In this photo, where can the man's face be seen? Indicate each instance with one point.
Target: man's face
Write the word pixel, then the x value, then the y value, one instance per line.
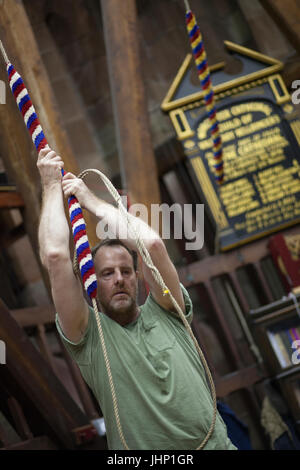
pixel 117 282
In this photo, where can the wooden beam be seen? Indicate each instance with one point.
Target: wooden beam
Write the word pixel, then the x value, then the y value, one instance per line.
pixel 4 437
pixel 137 161
pixel 18 156
pixel 226 337
pixel 20 422
pixel 16 149
pixel 286 14
pixel 37 443
pixel 238 380
pixel 79 382
pixel 217 265
pixel 38 383
pixel 32 316
pixel 11 200
pixel 22 50
pixel 8 237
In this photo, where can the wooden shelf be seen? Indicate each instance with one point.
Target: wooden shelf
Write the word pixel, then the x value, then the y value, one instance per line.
pixel 274 327
pixel 10 199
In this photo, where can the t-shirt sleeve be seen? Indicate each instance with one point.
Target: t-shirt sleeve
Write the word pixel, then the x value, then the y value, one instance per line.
pixel 187 302
pixel 81 351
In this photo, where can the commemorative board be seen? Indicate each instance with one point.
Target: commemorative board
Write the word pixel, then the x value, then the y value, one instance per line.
pixel 260 131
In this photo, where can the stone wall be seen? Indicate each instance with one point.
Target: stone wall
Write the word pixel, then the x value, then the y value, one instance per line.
pixel 70 35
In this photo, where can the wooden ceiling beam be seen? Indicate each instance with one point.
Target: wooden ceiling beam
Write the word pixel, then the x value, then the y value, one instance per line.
pixel 39 385
pixel 16 148
pixel 137 160
pixel 286 14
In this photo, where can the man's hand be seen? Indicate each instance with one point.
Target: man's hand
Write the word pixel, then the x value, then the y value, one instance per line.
pixel 50 166
pixel 73 186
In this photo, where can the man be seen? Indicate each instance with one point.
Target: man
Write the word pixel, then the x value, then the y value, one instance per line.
pixel 164 400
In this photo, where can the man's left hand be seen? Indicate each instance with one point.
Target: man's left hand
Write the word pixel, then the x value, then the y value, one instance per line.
pixel 73 186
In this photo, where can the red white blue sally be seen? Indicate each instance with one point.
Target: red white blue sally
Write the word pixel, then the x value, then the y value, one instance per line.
pixel 83 252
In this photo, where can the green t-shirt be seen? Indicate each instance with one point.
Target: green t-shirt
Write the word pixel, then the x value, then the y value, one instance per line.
pixel 163 398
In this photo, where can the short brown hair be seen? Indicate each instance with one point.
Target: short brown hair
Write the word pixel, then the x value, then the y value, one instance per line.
pixel 115 242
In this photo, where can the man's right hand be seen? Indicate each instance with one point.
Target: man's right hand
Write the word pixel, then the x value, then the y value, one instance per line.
pixel 50 165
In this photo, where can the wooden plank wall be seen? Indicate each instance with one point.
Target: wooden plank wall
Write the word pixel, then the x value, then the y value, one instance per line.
pixel 286 14
pixel 37 407
pixel 224 288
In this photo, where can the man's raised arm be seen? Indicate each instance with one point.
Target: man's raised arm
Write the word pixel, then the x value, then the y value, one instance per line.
pixel 54 249
pixel 111 216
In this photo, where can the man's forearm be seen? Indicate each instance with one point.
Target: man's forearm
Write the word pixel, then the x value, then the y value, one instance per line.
pixel 53 228
pixel 117 223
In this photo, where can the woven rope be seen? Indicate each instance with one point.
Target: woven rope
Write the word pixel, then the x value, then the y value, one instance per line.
pixel 157 276
pixel 4 53
pixel 203 72
pixel 110 379
pixel 187 5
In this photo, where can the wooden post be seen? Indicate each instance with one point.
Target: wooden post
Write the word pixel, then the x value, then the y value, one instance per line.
pixel 22 49
pixel 137 160
pixel 19 156
pixel 286 14
pixel 37 384
pixel 17 150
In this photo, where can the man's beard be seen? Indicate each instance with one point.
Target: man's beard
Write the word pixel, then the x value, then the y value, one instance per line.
pixel 123 309
pixel 120 311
